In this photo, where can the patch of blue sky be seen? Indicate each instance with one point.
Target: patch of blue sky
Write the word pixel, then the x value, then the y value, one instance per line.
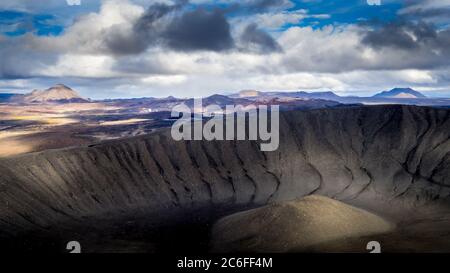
pixel 12 23
pixel 344 12
pixel 47 25
pixel 337 13
pixel 15 23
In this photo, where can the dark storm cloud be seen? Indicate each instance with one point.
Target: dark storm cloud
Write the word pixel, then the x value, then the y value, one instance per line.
pixel 403 36
pixel 426 46
pixel 124 42
pixel 258 40
pixel 170 26
pixel 144 33
pixel 154 13
pixel 173 27
pixel 423 10
pixel 199 30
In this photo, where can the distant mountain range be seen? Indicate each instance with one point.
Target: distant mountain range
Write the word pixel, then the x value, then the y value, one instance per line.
pixel 396 93
pixel 406 96
pixel 61 93
pixel 251 94
pixel 401 93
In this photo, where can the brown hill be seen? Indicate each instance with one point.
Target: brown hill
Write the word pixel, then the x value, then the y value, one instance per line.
pixel 295 225
pixel 57 93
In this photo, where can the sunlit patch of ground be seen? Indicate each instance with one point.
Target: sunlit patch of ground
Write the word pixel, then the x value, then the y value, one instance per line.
pixel 10 134
pixel 9 147
pixel 123 122
pixel 37 127
pixel 58 108
pixel 46 119
pixel 55 109
pixel 46 137
pixel 78 107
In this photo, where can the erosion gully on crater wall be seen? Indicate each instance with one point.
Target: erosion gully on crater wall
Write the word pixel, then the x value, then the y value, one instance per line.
pixel 392 160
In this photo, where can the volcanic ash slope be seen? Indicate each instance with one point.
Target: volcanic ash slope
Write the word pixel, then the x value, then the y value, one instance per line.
pixel 295 225
pixel 392 160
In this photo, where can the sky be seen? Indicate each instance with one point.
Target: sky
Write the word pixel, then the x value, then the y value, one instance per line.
pixel 158 48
